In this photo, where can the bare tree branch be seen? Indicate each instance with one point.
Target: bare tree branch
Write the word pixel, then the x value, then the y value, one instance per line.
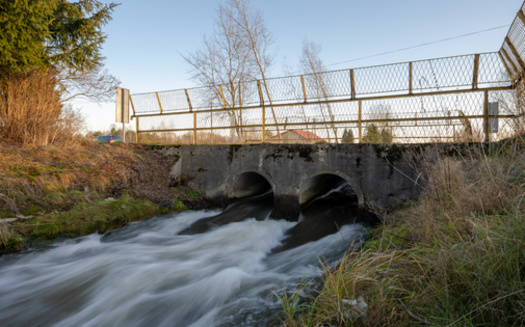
pixel 313 65
pixel 97 85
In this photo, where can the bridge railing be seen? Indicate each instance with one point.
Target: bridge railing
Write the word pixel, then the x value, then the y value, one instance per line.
pixel 464 98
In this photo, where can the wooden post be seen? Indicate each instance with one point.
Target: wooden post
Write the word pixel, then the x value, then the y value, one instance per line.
pixel 194 127
pixel 410 78
pixel 476 72
pixel 486 117
pixel 158 100
pixel 352 84
pixel 304 89
pixel 359 119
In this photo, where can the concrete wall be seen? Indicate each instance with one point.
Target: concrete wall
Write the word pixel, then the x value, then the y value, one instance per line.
pixel 382 176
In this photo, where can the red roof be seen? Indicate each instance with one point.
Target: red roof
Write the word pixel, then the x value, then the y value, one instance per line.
pixel 307 135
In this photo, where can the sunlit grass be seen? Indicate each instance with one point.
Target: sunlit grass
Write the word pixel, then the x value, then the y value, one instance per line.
pixel 454 258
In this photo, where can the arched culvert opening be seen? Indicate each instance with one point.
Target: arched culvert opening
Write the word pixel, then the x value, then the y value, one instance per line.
pixel 327 185
pixel 327 202
pixel 250 184
pixel 251 196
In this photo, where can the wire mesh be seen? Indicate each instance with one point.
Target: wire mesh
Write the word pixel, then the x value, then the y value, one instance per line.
pixel 437 100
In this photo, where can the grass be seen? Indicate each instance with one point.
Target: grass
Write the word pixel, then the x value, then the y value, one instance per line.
pixel 454 258
pixel 85 218
pixel 69 192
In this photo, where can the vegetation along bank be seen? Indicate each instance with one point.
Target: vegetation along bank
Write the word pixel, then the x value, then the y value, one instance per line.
pixel 455 257
pixel 51 192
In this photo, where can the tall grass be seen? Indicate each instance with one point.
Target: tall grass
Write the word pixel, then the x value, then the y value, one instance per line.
pixel 29 106
pixel 454 258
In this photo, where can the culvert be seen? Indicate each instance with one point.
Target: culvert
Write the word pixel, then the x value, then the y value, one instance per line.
pixel 322 184
pixel 250 184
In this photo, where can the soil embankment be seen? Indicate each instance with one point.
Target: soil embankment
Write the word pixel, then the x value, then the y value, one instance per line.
pixel 51 192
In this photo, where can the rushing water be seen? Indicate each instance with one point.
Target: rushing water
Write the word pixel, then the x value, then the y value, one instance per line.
pixel 146 275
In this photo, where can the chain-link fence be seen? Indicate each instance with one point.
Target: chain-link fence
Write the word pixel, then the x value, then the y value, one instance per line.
pixel 465 98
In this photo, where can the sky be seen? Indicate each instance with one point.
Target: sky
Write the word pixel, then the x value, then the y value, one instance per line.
pixel 146 39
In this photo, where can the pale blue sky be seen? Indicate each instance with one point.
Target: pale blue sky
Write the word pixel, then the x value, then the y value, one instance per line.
pixel 146 37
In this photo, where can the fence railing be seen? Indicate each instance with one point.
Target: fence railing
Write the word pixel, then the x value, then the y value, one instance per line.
pixel 463 98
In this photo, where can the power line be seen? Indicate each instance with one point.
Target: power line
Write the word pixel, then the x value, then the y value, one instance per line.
pixel 421 45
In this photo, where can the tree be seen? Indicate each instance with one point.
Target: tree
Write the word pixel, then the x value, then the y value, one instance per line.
pixel 56 45
pixel 372 134
pixel 375 135
pixel 235 53
pixel 258 39
pixel 223 63
pixel 52 33
pixel 386 136
pixel 348 136
pixel 313 65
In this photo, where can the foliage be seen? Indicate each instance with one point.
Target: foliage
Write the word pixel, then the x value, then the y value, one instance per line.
pixel 85 218
pixel 454 258
pixel 374 135
pixel 49 49
pixel 348 136
pixel 52 33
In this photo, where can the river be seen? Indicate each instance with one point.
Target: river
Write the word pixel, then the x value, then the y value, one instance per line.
pixel 145 274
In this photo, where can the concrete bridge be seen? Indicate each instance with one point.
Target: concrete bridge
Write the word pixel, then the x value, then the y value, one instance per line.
pixel 381 176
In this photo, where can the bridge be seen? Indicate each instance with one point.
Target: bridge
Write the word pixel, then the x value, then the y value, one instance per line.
pixel 474 97
pixel 300 136
pixel 381 176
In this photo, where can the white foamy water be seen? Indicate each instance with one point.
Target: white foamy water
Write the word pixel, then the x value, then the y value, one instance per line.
pixel 146 275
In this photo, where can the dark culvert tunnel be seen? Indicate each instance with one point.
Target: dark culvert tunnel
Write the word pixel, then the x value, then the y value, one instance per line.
pixel 251 197
pixel 327 202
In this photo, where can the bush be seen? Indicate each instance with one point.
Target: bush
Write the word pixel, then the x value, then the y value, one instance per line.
pixel 32 112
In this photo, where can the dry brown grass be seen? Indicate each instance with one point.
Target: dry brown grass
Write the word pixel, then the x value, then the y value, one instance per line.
pixel 479 182
pixel 30 106
pixel 40 179
pixel 453 258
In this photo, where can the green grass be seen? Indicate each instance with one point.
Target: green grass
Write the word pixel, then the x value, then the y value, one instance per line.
pixel 84 218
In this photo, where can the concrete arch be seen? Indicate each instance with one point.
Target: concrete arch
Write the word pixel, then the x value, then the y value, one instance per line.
pixel 250 183
pixel 322 182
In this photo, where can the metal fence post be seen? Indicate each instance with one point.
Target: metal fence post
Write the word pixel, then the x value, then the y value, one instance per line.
pixel 137 130
pixel 263 120
pixel 486 126
pixel 194 127
pixel 359 119
pixel 304 89
pixel 352 84
pixel 410 78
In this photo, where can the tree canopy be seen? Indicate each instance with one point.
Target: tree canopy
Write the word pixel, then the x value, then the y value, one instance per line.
pixel 52 33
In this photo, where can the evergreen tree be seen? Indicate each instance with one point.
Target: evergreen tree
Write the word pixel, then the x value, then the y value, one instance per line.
pixel 52 33
pixel 46 48
pixel 348 136
pixel 372 134
pixel 386 136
